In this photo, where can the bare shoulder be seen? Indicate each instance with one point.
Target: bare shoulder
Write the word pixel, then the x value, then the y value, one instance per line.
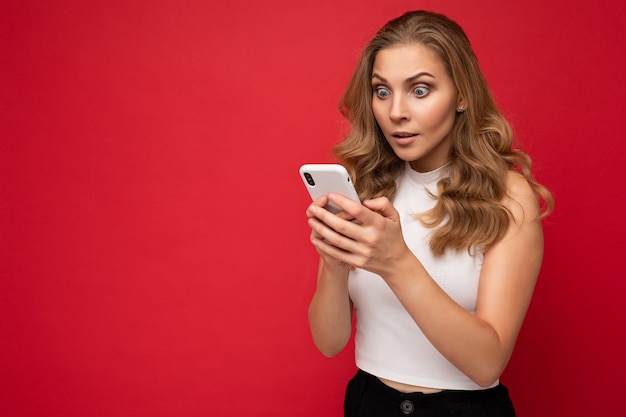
pixel 521 199
pixel 511 266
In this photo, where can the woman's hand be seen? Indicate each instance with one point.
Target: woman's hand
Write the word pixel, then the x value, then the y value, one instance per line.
pixel 367 236
pixel 328 261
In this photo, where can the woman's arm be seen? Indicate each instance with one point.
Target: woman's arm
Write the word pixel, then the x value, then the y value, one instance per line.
pixel 330 311
pixel 479 345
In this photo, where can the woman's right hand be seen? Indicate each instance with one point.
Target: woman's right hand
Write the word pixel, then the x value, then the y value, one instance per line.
pixel 333 265
pixel 330 311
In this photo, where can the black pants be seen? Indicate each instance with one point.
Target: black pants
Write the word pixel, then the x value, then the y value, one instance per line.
pixel 367 396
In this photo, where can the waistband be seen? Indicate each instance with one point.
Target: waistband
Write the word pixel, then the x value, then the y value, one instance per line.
pixel 445 396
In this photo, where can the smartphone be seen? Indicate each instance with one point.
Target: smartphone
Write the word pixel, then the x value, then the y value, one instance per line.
pixel 321 179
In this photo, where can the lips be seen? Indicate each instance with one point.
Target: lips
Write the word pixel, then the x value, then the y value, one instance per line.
pixel 404 138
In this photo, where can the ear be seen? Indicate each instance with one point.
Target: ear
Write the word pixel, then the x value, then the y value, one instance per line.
pixel 460 105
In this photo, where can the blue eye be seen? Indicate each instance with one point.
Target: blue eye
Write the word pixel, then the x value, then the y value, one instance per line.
pixel 421 91
pixel 382 92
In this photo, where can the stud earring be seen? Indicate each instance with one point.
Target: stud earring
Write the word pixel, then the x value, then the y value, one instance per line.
pixel 461 108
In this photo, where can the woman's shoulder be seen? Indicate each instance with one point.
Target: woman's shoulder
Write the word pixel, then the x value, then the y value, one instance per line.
pixel 517 183
pixel 521 199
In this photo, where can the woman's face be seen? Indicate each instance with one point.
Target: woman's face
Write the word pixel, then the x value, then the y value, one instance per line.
pixel 414 103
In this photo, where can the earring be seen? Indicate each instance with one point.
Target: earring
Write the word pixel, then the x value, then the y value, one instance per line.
pixel 461 108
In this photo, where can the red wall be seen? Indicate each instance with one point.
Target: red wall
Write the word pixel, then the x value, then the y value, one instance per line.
pixel 154 255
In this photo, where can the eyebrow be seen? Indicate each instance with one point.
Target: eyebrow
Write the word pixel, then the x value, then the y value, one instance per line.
pixel 408 80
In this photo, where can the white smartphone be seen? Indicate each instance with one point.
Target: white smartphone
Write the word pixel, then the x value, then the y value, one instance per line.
pixel 321 179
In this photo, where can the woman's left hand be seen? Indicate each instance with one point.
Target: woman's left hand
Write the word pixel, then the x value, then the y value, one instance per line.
pixel 373 241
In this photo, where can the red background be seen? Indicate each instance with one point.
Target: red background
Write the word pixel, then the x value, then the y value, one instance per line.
pixel 154 255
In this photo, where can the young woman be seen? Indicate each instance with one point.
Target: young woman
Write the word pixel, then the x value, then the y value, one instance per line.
pixel 440 261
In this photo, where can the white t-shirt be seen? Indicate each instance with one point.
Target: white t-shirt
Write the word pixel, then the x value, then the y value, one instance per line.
pixel 389 344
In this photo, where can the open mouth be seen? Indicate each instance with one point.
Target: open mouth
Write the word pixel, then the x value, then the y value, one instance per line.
pixel 403 135
pixel 404 138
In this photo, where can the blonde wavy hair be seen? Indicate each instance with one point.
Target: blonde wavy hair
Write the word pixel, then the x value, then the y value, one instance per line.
pixel 469 213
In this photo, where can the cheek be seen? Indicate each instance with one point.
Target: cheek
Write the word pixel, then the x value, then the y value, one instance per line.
pixel 377 110
pixel 437 115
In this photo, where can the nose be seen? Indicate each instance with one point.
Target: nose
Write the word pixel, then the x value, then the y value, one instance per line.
pixel 399 110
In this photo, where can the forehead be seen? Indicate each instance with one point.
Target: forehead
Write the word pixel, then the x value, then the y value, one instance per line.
pixel 408 59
